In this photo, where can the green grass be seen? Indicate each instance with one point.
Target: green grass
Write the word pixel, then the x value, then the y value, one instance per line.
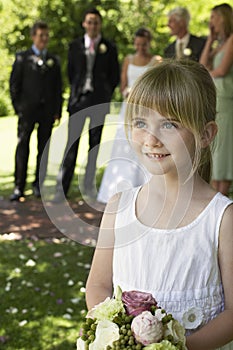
pixel 42 305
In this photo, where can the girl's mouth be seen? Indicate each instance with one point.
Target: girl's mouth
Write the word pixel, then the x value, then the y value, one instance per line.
pixel 156 155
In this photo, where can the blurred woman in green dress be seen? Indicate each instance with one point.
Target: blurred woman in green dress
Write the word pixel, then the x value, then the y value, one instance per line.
pixel 217 56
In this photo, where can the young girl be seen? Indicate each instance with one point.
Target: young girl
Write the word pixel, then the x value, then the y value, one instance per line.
pixel 173 236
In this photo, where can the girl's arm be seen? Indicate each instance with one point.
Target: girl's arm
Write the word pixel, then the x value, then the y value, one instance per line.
pixel 99 282
pixel 124 79
pixel 226 62
pixel 219 331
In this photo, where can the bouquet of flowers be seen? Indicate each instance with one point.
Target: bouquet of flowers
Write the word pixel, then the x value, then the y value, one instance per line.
pixel 130 320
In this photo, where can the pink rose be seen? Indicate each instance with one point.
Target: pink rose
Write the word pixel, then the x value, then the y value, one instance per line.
pixel 137 302
pixel 146 328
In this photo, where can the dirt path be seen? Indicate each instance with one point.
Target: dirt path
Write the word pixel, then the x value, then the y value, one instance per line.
pixel 30 219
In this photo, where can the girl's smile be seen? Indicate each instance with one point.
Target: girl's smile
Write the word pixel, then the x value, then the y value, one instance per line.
pixel 158 156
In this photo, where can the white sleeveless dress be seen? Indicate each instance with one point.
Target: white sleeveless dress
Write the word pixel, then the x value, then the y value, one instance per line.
pixel 178 266
pixel 123 170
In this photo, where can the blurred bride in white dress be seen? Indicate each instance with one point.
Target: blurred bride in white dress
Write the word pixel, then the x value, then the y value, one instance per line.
pixel 123 170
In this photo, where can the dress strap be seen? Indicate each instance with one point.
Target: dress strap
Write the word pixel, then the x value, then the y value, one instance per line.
pixel 222 203
pixel 126 207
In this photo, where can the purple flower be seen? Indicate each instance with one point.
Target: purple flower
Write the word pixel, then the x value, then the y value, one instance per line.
pixel 59 301
pixel 136 302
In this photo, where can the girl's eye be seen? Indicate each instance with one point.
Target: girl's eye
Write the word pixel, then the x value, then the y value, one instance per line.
pixel 168 125
pixel 140 124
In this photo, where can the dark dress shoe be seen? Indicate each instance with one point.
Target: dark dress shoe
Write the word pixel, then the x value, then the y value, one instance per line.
pixel 16 195
pixel 36 191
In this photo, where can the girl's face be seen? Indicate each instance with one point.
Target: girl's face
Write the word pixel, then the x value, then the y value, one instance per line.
pixel 141 45
pixel 216 22
pixel 164 146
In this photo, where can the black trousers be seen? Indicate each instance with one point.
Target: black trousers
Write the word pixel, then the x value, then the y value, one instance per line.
pixel 84 109
pixel 25 129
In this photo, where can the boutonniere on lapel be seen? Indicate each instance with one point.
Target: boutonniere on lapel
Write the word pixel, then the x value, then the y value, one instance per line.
pixel 43 64
pixel 103 48
pixel 49 63
pixel 187 52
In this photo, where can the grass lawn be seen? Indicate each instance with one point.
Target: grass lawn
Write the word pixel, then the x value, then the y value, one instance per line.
pixel 42 293
pixel 42 282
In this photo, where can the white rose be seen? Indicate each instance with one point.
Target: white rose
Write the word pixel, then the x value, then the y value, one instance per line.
pixel 106 333
pixel 176 330
pixel 81 345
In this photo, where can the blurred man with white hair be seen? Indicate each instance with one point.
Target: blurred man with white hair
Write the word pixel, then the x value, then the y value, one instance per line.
pixel 186 45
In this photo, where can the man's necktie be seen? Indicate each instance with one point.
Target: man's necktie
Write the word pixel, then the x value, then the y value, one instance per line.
pixel 92 46
pixel 179 53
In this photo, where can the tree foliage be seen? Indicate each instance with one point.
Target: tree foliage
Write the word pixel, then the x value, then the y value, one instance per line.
pixel 121 18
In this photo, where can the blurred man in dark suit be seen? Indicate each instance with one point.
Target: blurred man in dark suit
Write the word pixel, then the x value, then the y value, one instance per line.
pixel 186 45
pixel 36 93
pixel 93 71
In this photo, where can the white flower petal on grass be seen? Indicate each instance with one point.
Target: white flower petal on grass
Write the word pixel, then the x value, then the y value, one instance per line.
pixel 30 263
pixel 70 283
pixel 57 255
pixel 106 333
pixel 69 310
pixel 22 256
pixel 23 323
pixel 67 316
pixel 192 318
pixel 29 284
pixel 75 300
pixel 83 290
pixel 8 287
pixel 12 310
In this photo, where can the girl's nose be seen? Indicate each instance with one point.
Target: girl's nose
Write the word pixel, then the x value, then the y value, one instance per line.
pixel 152 140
